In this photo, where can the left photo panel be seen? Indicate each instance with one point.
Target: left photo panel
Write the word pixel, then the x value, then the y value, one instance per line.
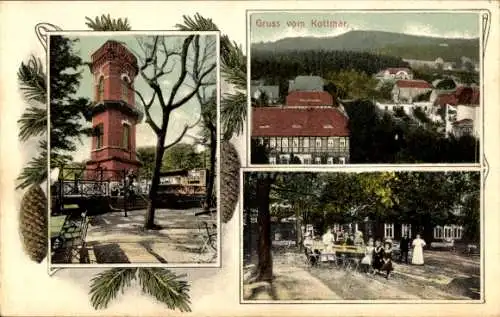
pixel 133 151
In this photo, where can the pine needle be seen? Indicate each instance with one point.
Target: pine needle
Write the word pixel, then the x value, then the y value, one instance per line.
pixel 166 287
pixel 106 23
pixel 31 77
pixel 106 285
pixel 233 113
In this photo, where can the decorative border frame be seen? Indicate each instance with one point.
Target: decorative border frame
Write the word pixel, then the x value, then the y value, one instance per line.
pixel 482 299
pixel 43 32
pixel 482 166
pixel 484 20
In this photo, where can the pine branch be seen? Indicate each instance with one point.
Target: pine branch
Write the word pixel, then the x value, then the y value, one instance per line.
pixel 166 287
pixel 31 77
pixel 106 285
pixel 33 123
pixel 106 23
pixel 233 113
pixel 35 171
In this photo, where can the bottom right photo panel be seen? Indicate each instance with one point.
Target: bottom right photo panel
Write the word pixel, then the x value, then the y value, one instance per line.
pixel 333 236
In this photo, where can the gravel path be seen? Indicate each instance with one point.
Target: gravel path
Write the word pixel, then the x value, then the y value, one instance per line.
pixel 445 276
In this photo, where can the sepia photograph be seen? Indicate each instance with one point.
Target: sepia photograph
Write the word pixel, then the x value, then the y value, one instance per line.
pixel 384 87
pixel 133 148
pixel 335 236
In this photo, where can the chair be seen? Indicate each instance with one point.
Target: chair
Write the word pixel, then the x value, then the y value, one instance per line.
pixel 312 258
pixel 208 236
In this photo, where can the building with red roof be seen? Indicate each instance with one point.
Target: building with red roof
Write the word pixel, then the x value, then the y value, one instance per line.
pixel 405 91
pixel 311 135
pixel 308 129
pixel 462 109
pixel 309 99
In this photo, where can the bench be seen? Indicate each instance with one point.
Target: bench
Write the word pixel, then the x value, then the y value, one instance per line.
pixel 69 243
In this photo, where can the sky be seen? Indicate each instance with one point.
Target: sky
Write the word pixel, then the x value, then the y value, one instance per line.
pixel 264 26
pixel 186 114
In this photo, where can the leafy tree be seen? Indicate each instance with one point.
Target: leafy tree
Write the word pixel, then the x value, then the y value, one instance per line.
pixel 446 84
pixel 146 155
pixel 181 156
pixel 353 84
pixel 420 115
pixel 259 152
pixel 66 123
pixel 385 91
pixel 300 191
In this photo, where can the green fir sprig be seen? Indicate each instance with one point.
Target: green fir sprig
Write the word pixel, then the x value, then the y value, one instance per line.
pixel 106 285
pixel 166 287
pixel 106 23
pixel 159 283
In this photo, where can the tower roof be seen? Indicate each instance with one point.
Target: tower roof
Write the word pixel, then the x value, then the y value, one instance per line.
pixel 112 51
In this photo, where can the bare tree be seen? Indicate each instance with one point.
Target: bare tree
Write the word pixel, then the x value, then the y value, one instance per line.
pixel 207 98
pixel 156 62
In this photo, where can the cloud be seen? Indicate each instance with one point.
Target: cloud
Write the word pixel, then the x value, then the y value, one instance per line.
pixel 427 30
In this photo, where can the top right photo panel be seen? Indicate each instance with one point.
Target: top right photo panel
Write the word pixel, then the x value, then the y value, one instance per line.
pixel 364 87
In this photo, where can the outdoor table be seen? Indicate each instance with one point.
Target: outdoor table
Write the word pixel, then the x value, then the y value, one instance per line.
pixel 349 255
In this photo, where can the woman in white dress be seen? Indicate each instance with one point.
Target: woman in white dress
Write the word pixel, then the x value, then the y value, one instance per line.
pixel 366 261
pixel 418 251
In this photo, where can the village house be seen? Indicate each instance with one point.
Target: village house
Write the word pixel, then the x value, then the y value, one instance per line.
pixel 309 129
pixel 395 231
pixel 310 135
pixel 394 73
pixel 462 110
pixel 405 91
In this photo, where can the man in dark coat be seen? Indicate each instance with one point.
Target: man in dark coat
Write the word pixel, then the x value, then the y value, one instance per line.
pixel 404 246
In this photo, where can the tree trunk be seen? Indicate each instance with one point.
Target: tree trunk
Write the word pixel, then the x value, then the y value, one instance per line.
pixel 155 182
pixel 265 264
pixel 211 173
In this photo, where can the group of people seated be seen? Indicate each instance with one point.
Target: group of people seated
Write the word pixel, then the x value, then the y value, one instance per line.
pixel 378 254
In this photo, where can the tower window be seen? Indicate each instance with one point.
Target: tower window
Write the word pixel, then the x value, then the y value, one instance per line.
pixel 125 89
pixel 100 89
pixel 99 136
pixel 126 136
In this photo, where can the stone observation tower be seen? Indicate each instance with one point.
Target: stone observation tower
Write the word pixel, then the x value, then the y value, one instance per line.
pixel 114 115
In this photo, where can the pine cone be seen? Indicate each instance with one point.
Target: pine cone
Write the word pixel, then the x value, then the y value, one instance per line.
pixel 33 223
pixel 230 180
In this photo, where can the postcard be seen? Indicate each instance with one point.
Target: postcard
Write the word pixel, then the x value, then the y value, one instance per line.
pixel 249 158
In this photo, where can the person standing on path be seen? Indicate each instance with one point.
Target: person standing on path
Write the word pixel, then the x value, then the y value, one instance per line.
pixel 404 247
pixel 387 259
pixel 378 253
pixel 368 258
pixel 418 251
pixel 328 239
